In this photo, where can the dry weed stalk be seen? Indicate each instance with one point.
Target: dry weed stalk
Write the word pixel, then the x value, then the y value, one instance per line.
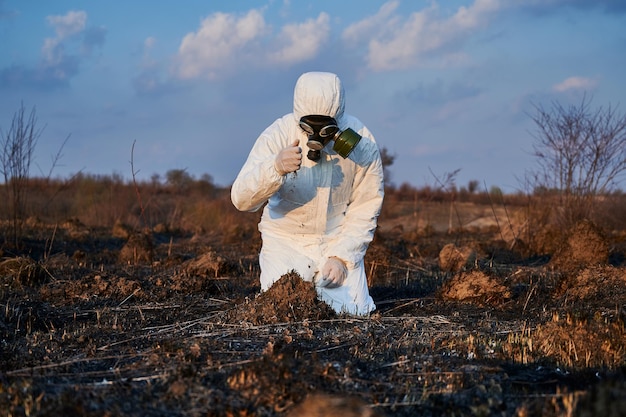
pixel 137 192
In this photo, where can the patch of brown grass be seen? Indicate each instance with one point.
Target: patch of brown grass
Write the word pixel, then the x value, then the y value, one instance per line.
pixel 597 282
pixel 581 343
pixel 21 271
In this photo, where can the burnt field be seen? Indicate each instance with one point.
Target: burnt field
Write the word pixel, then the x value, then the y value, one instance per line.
pixel 101 321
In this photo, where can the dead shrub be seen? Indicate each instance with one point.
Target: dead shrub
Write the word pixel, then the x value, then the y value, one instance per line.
pixel 474 286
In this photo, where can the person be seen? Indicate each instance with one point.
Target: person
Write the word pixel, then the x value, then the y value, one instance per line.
pixel 322 208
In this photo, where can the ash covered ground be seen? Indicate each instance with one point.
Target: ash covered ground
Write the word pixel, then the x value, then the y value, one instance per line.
pixel 167 324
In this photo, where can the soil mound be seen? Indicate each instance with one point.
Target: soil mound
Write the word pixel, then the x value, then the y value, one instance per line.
pixel 208 272
pixel 453 258
pixel 584 245
pixel 474 286
pixel 138 249
pixel 290 299
pixel 209 264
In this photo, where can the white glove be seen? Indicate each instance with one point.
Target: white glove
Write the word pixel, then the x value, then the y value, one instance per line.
pixel 289 159
pixel 334 273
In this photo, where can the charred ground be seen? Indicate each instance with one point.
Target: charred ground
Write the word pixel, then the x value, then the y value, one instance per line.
pixel 103 322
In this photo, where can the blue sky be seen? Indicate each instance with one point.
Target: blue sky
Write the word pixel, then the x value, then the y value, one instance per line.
pixel 443 85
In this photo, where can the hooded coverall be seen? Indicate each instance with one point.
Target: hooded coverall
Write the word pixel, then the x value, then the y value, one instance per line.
pixel 327 208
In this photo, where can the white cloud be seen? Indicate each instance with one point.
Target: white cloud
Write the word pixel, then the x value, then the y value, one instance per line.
pixel 66 26
pixel 225 41
pixel 220 39
pixel 72 23
pixel 398 43
pixel 575 83
pixel 63 54
pixel 302 41
pixel 51 51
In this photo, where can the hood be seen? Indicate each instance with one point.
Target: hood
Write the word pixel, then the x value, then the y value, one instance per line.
pixel 319 93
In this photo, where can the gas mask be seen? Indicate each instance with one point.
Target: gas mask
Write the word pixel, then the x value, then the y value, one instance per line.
pixel 322 129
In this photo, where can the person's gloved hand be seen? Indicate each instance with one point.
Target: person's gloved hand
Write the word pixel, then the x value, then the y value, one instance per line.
pixel 334 273
pixel 289 159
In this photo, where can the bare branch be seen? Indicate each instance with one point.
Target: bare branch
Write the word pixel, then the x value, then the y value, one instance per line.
pixel 580 153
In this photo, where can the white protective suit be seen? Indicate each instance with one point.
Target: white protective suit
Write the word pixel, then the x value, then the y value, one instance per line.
pixel 327 208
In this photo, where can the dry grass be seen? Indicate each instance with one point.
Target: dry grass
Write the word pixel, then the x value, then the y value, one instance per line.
pixel 575 343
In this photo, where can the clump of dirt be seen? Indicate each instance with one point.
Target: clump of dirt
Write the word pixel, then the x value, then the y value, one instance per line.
pixel 209 264
pixel 453 258
pixel 323 405
pixel 207 272
pixel 584 245
pixel 290 299
pixel 476 287
pixel 138 249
